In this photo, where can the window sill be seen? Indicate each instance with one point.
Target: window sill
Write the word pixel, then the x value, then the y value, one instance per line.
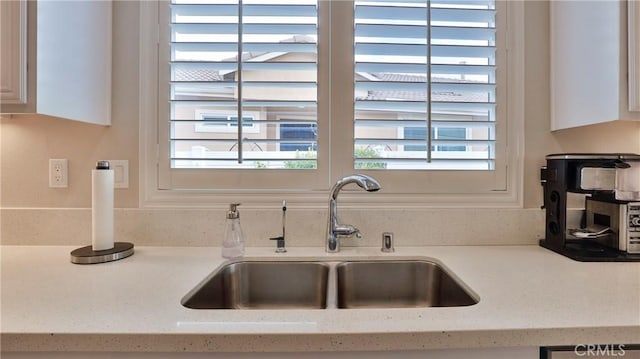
pixel 349 198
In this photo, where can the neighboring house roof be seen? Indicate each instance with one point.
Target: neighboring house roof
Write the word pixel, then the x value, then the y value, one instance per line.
pixel 300 39
pixel 394 77
pixel 448 96
pixel 266 56
pixel 441 96
pixel 196 74
pixel 203 74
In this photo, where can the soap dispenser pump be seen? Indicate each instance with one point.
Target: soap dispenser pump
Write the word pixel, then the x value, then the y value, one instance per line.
pixel 233 240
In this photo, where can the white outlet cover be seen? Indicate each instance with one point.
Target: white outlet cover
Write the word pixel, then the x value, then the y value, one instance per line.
pixel 58 173
pixel 120 173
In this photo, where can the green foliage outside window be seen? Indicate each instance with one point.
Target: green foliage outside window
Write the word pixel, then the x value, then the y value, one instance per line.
pixel 368 152
pixel 311 163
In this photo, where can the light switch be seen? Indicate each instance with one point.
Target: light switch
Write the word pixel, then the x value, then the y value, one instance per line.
pixel 120 173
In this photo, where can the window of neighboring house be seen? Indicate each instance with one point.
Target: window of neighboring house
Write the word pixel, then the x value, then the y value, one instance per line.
pixel 222 123
pixel 369 78
pixel 439 134
pixel 296 134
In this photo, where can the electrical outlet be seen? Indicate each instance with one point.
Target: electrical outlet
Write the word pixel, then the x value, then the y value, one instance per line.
pixel 58 173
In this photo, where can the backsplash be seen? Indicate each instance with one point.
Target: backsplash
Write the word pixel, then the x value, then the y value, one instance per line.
pixel 305 227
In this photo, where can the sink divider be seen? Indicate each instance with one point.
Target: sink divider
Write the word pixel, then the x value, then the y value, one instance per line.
pixel 332 286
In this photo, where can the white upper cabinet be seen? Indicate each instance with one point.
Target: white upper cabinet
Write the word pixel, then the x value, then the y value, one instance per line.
pixel 13 52
pixel 591 59
pixel 71 61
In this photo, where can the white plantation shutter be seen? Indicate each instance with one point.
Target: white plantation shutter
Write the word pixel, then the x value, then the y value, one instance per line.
pixel 405 88
pixel 240 70
pixel 425 84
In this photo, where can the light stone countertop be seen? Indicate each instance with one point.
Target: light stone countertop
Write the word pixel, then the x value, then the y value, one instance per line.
pixel 529 296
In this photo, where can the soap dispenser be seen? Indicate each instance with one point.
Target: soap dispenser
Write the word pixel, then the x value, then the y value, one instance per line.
pixel 233 240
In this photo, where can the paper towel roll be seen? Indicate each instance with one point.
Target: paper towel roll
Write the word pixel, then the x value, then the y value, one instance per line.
pixel 102 208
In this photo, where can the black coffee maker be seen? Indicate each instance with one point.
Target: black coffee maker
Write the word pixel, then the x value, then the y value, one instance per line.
pixel 596 176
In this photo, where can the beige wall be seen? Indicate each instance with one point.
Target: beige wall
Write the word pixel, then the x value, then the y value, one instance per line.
pixel 27 142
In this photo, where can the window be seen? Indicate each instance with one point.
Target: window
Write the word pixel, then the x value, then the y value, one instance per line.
pixel 216 122
pixel 298 132
pixel 420 133
pixel 437 79
pixel 414 91
pixel 229 57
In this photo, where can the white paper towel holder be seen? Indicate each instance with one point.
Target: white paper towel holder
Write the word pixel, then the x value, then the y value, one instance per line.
pixel 119 250
pixel 86 255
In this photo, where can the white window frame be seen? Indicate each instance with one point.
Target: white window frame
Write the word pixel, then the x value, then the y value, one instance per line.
pixel 400 190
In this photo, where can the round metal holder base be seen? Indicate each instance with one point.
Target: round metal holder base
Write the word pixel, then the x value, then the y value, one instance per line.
pixel 86 255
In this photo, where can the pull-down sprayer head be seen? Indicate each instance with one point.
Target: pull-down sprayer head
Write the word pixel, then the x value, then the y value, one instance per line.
pixel 365 182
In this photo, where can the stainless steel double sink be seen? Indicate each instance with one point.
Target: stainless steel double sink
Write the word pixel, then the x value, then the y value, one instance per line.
pixel 310 284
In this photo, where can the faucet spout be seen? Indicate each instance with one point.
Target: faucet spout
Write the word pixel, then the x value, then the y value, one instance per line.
pixel 365 182
pixel 335 230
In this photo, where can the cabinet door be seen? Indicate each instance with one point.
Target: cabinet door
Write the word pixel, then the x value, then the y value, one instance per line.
pixel 589 63
pixel 67 47
pixel 13 52
pixel 585 62
pixel 74 60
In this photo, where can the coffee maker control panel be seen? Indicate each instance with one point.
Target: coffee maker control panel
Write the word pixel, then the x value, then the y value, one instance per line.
pixel 634 217
pixel 633 232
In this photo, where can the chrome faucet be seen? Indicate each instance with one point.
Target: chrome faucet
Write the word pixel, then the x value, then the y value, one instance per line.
pixel 335 230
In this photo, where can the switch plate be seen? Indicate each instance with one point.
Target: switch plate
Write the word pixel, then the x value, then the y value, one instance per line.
pixel 120 173
pixel 58 173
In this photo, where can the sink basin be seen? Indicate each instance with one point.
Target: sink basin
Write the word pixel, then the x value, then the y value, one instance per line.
pixel 315 284
pixel 398 284
pixel 262 285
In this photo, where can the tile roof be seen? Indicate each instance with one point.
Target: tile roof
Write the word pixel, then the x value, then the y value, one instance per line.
pixel 448 96
pixel 204 74
pixel 196 74
pixel 441 96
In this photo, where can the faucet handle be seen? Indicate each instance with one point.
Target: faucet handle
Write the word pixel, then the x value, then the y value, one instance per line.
pixel 347 230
